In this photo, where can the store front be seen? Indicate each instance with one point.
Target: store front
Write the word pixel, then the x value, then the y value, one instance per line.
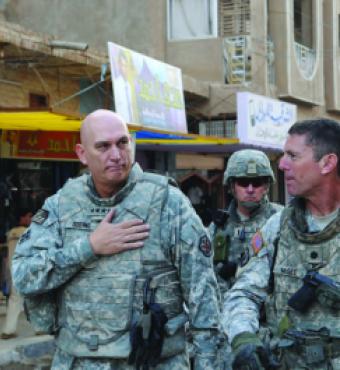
pixel 37 156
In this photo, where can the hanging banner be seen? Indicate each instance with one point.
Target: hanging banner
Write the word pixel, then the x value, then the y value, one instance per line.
pixel 39 144
pixel 263 121
pixel 147 91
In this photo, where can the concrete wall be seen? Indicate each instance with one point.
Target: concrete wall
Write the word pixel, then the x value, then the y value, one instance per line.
pixel 142 26
pixel 291 84
pixel 139 25
pixel 201 59
pixel 332 54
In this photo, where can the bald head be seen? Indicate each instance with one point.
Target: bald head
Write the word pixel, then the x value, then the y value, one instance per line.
pixel 106 150
pixel 98 118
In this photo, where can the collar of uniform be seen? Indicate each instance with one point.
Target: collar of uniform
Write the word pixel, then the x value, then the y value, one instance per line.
pixel 232 209
pixel 135 174
pixel 298 223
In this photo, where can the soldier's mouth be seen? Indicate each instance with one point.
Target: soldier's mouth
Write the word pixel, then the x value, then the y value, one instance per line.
pixel 114 168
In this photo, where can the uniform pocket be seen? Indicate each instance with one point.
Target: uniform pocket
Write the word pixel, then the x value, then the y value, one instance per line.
pixel 101 303
pixel 288 280
pixel 167 292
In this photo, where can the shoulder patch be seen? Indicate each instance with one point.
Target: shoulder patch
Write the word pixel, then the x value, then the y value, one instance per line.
pixel 257 242
pixel 205 246
pixel 40 216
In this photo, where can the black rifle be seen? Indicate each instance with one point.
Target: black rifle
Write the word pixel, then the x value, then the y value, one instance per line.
pixel 315 286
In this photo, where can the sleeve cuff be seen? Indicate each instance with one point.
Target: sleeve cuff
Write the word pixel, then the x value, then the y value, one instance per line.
pixel 85 252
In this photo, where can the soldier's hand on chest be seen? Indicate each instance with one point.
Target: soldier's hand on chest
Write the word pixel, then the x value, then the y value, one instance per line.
pixel 109 238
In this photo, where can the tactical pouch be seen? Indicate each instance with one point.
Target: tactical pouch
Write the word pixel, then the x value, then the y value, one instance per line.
pixel 41 311
pixel 315 346
pixel 328 297
pixel 165 283
pixel 221 248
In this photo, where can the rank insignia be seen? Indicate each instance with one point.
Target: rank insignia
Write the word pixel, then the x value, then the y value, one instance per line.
pixel 205 246
pixel 40 216
pixel 257 242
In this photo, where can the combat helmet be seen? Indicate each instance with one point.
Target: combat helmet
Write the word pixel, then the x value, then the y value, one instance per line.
pixel 248 163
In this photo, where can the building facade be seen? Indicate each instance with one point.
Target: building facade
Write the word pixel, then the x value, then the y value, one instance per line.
pixel 285 50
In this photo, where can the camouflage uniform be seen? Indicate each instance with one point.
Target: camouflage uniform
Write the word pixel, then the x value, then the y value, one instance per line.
pixel 301 247
pixel 99 297
pixel 231 239
pixel 237 235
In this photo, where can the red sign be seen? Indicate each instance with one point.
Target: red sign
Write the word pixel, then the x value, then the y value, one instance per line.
pixel 39 144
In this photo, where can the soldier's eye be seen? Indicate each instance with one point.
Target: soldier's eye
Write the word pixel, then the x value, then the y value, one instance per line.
pixel 123 142
pixel 291 156
pixel 102 146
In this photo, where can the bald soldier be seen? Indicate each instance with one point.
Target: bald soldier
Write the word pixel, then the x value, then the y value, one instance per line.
pixel 114 255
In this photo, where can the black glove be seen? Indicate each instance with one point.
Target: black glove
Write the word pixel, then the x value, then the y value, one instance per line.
pixel 250 354
pixel 227 270
pixel 146 352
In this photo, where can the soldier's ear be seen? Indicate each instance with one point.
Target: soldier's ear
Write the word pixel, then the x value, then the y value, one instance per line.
pixel 80 151
pixel 328 163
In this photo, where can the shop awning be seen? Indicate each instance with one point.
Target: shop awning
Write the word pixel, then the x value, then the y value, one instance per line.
pixel 38 121
pixel 52 121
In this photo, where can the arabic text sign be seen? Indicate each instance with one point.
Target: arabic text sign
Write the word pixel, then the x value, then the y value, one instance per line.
pixel 39 144
pixel 147 91
pixel 263 121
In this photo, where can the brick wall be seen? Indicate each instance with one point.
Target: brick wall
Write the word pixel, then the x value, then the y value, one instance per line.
pixel 17 83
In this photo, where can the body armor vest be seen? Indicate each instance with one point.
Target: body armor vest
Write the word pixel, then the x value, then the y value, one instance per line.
pixel 237 234
pixel 100 303
pixel 299 252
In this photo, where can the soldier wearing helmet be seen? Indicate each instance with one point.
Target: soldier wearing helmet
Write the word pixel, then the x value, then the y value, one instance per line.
pixel 248 176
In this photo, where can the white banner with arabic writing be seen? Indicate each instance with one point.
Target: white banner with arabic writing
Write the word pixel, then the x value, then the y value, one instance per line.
pixel 263 121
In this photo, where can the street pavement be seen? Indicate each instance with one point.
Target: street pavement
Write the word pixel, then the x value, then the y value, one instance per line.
pixel 13 352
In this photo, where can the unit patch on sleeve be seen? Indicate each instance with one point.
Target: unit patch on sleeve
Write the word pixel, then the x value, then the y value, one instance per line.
pixel 40 216
pixel 205 246
pixel 257 242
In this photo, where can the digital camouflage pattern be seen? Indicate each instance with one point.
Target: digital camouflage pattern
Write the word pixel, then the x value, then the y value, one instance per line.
pixel 236 234
pixel 64 361
pixel 232 240
pixel 98 297
pixel 299 250
pixel 248 163
pixel 235 237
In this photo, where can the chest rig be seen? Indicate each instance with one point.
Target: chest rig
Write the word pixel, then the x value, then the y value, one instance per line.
pixel 100 303
pixel 236 234
pixel 299 252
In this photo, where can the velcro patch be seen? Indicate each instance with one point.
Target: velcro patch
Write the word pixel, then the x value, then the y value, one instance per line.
pixel 40 216
pixel 81 225
pixel 257 242
pixel 251 168
pixel 205 246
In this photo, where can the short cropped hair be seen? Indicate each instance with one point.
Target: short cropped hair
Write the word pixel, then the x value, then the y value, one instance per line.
pixel 322 134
